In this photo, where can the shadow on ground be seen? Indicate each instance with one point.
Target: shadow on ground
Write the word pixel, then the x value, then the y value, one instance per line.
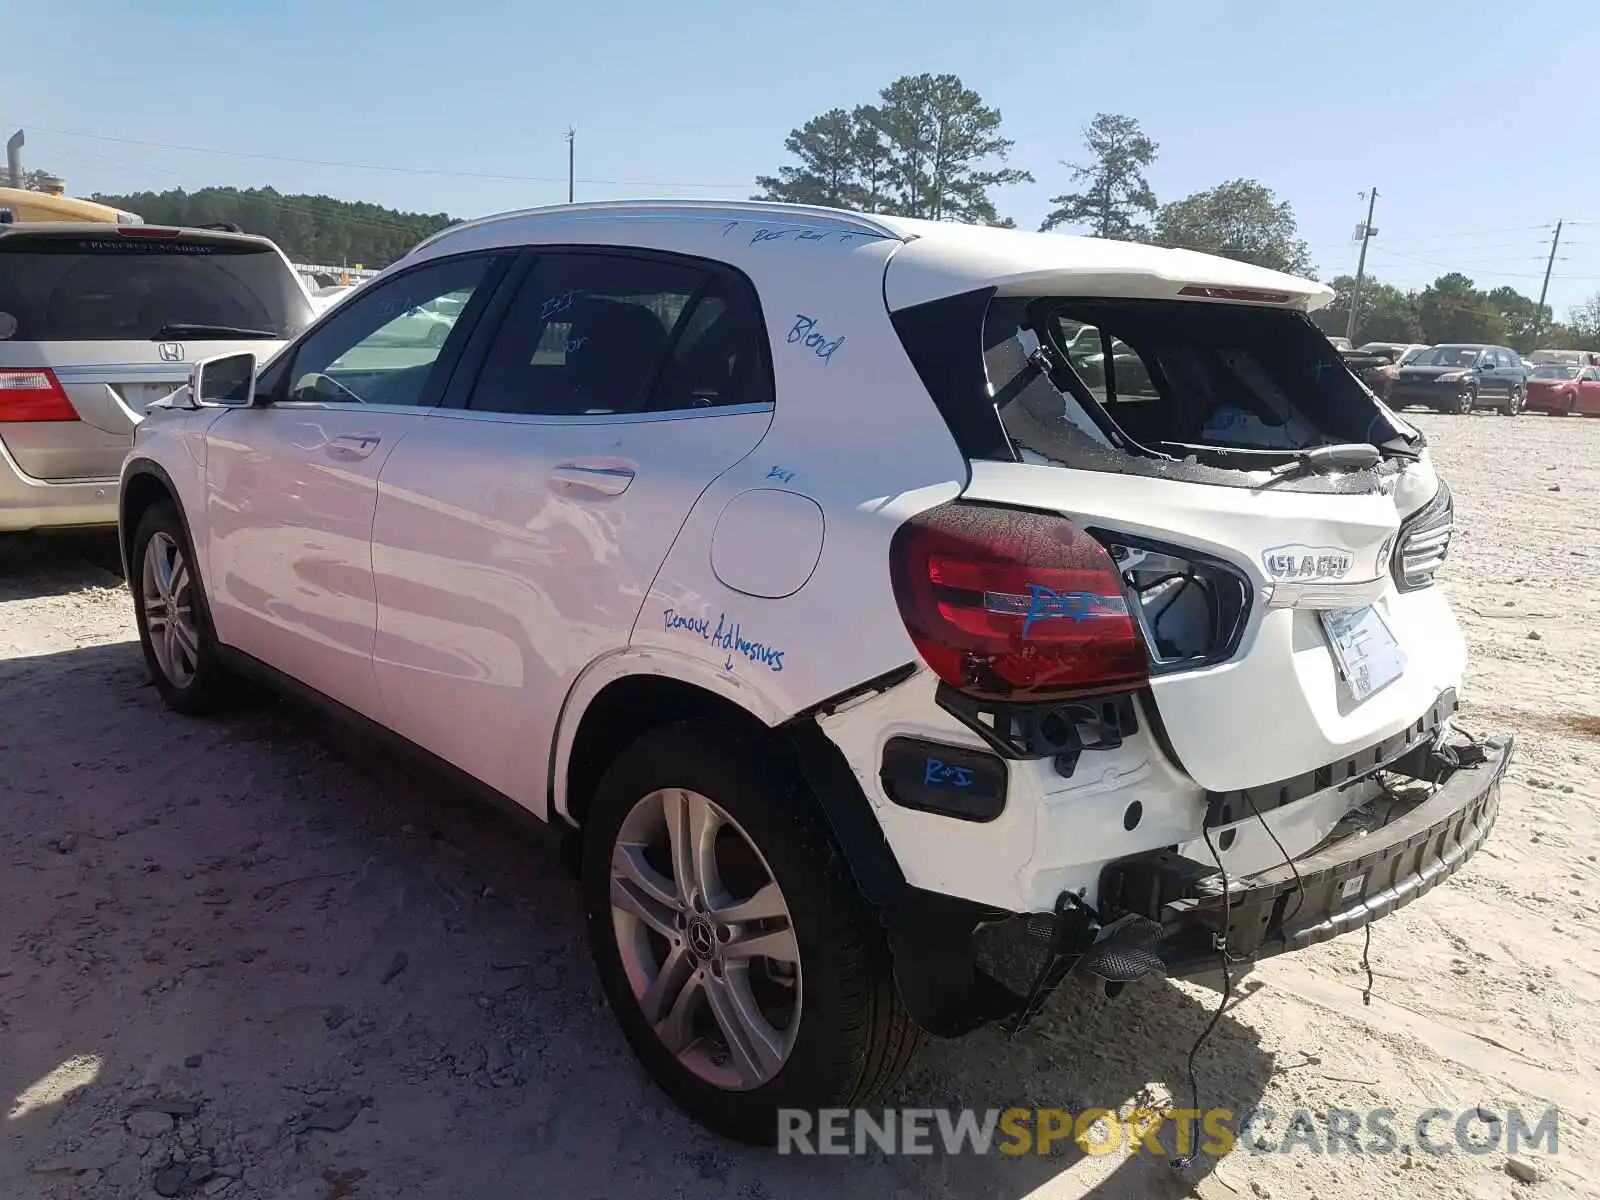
pixel 36 564
pixel 313 970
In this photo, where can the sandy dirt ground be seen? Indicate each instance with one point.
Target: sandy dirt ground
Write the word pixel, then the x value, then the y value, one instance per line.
pixel 252 958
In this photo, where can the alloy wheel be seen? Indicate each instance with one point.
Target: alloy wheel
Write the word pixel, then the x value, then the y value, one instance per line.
pixel 706 939
pixel 166 591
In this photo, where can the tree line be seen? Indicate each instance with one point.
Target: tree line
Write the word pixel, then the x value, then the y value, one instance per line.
pixel 1454 309
pixel 930 147
pixel 315 229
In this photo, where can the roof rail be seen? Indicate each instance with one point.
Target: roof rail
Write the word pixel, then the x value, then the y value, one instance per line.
pixel 711 210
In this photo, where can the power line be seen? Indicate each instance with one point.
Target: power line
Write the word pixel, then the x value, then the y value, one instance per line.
pixel 1443 266
pixel 360 166
pixel 1472 233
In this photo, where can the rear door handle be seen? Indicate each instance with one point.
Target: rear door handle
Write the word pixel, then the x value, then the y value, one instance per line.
pixel 353 445
pixel 603 481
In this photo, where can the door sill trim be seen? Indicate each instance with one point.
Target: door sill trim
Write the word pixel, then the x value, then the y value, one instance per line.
pixel 304 696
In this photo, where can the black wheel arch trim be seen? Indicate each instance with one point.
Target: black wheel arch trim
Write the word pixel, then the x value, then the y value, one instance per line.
pixel 929 934
pixel 131 469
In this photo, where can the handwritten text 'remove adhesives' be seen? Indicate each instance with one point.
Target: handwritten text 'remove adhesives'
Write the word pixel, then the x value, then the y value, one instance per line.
pixel 726 635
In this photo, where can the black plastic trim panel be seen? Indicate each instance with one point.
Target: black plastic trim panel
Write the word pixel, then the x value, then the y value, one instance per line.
pixel 949 781
pixel 1044 728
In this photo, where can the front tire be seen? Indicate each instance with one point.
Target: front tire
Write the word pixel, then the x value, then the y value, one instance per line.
pixel 743 965
pixel 1465 402
pixel 175 631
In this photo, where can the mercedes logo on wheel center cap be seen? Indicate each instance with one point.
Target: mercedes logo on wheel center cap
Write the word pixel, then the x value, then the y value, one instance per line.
pixel 702 938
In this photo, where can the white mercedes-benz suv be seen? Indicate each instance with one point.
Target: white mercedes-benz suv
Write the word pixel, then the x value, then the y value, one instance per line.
pixel 901 617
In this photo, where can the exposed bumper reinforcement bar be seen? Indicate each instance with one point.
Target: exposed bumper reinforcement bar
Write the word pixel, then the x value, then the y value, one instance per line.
pixel 1350 881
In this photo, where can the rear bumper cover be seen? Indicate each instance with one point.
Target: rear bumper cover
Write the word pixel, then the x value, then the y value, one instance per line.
pixel 28 503
pixel 1353 879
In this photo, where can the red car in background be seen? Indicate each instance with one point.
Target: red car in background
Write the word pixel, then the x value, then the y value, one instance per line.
pixel 1564 388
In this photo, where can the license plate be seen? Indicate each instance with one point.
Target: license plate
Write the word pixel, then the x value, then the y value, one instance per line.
pixel 1368 657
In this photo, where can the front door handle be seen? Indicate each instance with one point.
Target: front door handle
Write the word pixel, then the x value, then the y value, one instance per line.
pixel 353 445
pixel 603 481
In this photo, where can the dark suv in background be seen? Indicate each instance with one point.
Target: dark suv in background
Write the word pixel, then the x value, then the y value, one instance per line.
pixel 1459 378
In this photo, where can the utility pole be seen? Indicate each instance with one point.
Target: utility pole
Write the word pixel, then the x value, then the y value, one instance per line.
pixel 1366 233
pixel 572 139
pixel 1538 315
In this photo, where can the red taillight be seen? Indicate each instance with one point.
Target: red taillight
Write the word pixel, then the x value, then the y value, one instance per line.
pixel 1249 295
pixel 33 395
pixel 1014 605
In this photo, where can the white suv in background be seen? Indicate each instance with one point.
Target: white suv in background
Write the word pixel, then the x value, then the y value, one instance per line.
pixel 866 649
pixel 96 322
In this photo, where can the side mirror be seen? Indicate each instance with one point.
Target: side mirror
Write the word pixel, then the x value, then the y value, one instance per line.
pixel 229 379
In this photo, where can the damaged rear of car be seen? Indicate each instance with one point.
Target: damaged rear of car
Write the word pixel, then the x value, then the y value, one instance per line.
pixel 1187 603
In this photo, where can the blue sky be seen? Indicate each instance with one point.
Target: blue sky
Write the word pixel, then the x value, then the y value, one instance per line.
pixel 1479 123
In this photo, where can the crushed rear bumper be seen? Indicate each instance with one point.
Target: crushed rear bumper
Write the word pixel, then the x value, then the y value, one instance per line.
pixel 1370 866
pixel 1163 913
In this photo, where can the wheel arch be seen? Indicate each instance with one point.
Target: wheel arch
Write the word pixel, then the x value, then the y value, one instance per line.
pixel 623 695
pixel 929 935
pixel 144 483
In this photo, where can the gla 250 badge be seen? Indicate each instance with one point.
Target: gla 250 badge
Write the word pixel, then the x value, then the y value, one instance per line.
pixel 1302 564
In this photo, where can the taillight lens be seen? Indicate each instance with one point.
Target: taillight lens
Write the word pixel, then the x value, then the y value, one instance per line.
pixel 1424 542
pixel 1014 605
pixel 33 395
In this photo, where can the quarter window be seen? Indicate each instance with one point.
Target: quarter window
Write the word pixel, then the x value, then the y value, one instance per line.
pixel 603 334
pixel 382 346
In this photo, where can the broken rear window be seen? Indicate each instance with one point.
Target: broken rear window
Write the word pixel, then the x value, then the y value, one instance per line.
pixel 1213 392
pixel 1177 377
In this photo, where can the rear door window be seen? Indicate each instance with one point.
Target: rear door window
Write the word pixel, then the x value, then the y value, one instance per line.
pixel 595 334
pixel 114 287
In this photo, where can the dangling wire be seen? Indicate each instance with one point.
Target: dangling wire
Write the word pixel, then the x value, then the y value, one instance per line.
pixel 1366 965
pixel 1221 941
pixel 1299 884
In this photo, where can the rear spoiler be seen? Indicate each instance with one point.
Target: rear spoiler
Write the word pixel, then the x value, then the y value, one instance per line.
pixel 1043 264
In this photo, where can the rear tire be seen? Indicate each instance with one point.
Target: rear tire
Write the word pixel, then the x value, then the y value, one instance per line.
pixel 1514 403
pixel 664 928
pixel 175 630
